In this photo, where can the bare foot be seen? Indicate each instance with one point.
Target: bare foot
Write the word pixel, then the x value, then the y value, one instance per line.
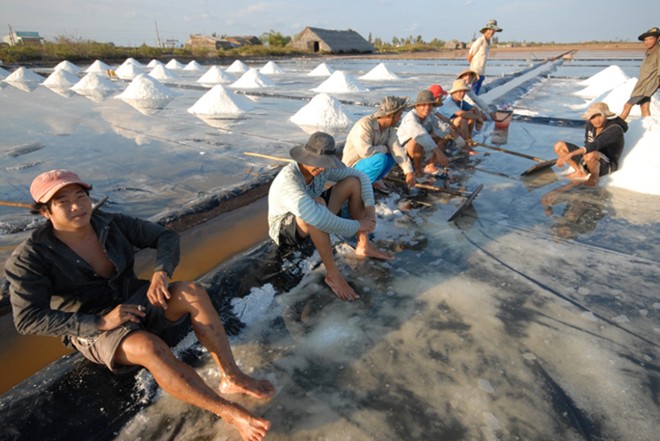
pixel 371 251
pixel 577 175
pixel 431 169
pixel 341 289
pixel 244 384
pixel 591 182
pixel 250 427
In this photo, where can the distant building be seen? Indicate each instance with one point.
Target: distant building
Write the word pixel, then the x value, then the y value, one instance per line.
pixel 24 38
pixel 213 42
pixel 245 40
pixel 329 41
pixel 455 44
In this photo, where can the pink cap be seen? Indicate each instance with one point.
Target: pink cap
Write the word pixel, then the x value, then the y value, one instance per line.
pixel 48 183
pixel 437 91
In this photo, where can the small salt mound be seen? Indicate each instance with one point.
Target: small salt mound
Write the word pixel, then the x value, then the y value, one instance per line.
pixel 322 70
pixel 252 79
pixel 146 94
pixel 271 68
pixel 238 67
pixel 605 80
pixel 25 76
pixel 323 111
pixel 173 64
pixel 160 72
pixel 68 66
pixel 193 66
pixel 133 61
pixel 340 82
pixel 379 73
pixel 128 71
pixel 215 75
pixel 93 82
pixel 98 67
pixel 639 170
pixel 220 101
pixel 60 79
pixel 153 63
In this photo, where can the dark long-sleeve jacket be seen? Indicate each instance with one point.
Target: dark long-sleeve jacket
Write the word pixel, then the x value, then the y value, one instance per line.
pixel 609 141
pixel 55 292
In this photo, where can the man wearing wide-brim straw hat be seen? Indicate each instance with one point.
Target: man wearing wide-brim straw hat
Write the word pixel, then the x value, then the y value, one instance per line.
pixel 603 145
pixel 479 51
pixel 372 145
pixel 465 117
pixel 420 134
pixel 471 77
pixel 649 75
pixel 300 207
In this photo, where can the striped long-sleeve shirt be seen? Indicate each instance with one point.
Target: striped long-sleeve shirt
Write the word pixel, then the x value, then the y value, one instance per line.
pixel 290 194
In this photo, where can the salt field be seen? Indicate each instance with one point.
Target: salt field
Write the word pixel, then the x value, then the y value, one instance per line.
pixel 535 315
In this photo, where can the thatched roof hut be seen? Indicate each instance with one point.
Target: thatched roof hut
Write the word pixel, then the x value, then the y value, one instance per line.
pixel 330 41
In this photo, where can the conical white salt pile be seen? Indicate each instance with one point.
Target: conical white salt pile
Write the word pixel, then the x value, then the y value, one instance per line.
pixel 238 67
pixel 173 64
pixel 68 66
pixel 322 70
pixel 153 63
pixel 252 79
pixel 605 80
pixel 340 82
pixel 193 66
pixel 98 67
pixel 3 73
pixel 60 79
pixel 323 111
pixel 220 101
pixel 24 79
pixel 160 72
pixel 215 75
pixel 617 97
pixel 147 94
pixel 271 68
pixel 129 70
pixel 380 73
pixel 93 82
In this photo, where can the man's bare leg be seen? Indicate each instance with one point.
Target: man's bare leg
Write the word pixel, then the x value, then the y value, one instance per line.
pixel 646 109
pixel 562 150
pixel 416 153
pixel 144 349
pixel 364 248
pixel 627 107
pixel 192 299
pixel 592 161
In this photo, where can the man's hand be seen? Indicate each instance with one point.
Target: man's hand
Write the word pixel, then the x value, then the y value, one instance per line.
pixel 158 293
pixel 411 180
pixel 121 314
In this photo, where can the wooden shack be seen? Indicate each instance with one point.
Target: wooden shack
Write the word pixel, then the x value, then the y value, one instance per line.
pixel 319 40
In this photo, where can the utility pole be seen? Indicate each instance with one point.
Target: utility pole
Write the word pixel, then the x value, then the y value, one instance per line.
pixel 158 35
pixel 11 36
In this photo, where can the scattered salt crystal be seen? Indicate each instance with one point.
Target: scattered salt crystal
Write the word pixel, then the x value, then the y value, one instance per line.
pixel 271 68
pixel 380 73
pixel 589 316
pixel 238 67
pixel 322 70
pixel 255 305
pixel 621 319
pixel 215 75
pixel 219 101
pixel 323 111
pixel 485 386
pixel 252 79
pixel 529 356
pixel 340 82
pixel 173 64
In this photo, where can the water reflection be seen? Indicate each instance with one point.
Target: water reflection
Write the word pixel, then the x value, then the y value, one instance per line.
pixel 582 212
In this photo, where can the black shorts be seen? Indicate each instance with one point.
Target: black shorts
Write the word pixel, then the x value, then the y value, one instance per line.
pixel 605 164
pixel 289 234
pixel 639 100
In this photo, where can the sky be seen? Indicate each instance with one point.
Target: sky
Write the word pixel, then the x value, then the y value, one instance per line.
pixel 135 22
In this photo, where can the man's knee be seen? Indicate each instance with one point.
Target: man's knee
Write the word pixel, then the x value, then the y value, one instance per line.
pixel 561 148
pixel 140 347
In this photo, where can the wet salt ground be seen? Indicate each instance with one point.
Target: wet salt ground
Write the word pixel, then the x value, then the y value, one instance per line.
pixel 503 326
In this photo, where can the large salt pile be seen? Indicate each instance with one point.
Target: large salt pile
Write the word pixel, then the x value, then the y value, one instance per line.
pixel 340 82
pixel 220 101
pixel 129 70
pixel 215 75
pixel 380 73
pixel 322 70
pixel 153 63
pixel 98 66
pixel 193 66
pixel 24 79
pixel 605 80
pixel 238 67
pixel 252 79
pixel 160 72
pixel 323 111
pixel 147 94
pixel 68 66
pixel 173 64
pixel 639 170
pixel 95 87
pixel 617 97
pixel 60 79
pixel 271 68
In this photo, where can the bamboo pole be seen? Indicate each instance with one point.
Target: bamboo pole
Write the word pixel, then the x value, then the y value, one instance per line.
pixel 14 204
pixel 274 158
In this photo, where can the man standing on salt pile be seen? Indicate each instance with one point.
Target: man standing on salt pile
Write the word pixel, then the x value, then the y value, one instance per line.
pixel 479 51
pixel 421 136
pixel 372 145
pixel 74 278
pixel 649 75
pixel 603 145
pixel 464 117
pixel 299 207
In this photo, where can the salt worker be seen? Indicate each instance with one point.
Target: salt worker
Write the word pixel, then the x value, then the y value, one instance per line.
pixel 74 278
pixel 421 135
pixel 300 207
pixel 471 77
pixel 450 131
pixel 649 75
pixel 602 148
pixel 479 52
pixel 372 145
pixel 464 117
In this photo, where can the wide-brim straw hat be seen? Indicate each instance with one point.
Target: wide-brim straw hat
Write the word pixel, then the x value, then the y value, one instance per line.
pixel 599 108
pixel 469 71
pixel 424 97
pixel 457 86
pixel 653 32
pixel 492 24
pixel 319 151
pixel 390 105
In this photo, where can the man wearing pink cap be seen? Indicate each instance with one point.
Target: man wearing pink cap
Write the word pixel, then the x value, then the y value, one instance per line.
pixel 74 278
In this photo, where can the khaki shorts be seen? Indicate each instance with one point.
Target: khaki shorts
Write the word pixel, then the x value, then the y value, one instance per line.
pixel 101 348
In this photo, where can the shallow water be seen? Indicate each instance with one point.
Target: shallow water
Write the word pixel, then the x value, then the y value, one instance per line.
pixel 517 322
